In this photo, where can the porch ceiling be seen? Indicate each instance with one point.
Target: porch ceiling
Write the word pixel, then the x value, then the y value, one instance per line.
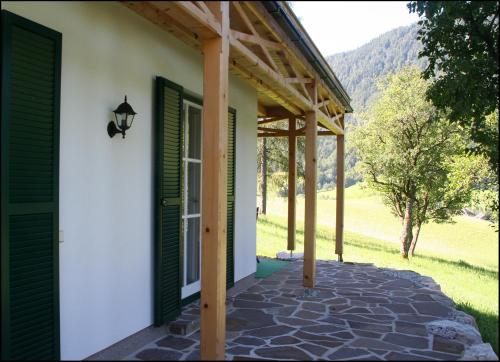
pixel 261 52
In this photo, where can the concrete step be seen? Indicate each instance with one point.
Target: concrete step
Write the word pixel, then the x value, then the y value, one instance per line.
pixel 184 327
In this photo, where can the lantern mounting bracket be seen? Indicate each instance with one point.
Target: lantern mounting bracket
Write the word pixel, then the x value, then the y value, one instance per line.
pixel 112 129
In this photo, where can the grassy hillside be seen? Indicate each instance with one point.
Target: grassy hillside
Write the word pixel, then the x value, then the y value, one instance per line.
pixel 461 257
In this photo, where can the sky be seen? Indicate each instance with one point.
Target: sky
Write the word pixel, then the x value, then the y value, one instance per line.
pixel 339 26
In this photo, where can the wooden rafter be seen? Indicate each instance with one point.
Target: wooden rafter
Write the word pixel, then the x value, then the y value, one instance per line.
pixel 325 103
pixel 280 71
pixel 329 123
pixel 321 103
pixel 267 129
pixel 255 40
pixel 165 22
pixel 243 72
pixel 298 80
pixel 270 120
pixel 203 19
pixel 204 7
pixel 254 32
pixel 302 85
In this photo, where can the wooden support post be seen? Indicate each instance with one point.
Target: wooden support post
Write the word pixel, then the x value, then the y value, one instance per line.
pixel 214 195
pixel 292 181
pixel 263 174
pixel 339 223
pixel 310 191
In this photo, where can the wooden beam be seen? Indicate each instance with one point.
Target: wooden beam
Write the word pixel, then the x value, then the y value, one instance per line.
pixel 328 123
pixel 261 109
pixel 278 111
pixel 272 134
pixel 326 133
pixel 292 182
pixel 267 129
pixel 203 19
pixel 268 74
pixel 299 75
pixel 321 104
pixel 298 80
pixel 324 103
pixel 291 50
pixel 255 40
pixel 165 22
pixel 263 87
pixel 286 134
pixel 301 131
pixel 271 120
pixel 310 191
pixel 339 223
pixel 275 30
pixel 214 194
pixel 250 27
pixel 204 8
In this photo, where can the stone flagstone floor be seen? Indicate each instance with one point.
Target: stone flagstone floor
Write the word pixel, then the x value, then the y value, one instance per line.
pixel 356 311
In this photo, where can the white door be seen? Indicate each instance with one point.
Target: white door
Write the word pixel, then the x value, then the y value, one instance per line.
pixel 191 201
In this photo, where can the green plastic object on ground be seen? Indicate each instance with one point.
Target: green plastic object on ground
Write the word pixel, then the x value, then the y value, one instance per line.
pixel 268 266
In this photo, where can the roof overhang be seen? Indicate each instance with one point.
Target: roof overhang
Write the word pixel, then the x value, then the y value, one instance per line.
pixel 268 48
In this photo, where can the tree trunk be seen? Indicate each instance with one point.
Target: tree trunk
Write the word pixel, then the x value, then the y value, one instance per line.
pixel 263 172
pixel 406 233
pixel 415 238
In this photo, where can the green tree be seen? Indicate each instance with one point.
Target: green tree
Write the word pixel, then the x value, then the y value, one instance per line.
pixel 448 187
pixel 277 158
pixel 410 154
pixel 460 41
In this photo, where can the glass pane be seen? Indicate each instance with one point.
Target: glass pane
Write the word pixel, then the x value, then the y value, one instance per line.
pixel 194 192
pixel 194 133
pixel 193 250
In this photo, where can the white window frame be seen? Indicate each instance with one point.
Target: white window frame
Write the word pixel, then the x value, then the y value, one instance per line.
pixel 190 289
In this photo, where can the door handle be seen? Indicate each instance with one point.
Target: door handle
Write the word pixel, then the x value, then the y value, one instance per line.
pixel 164 202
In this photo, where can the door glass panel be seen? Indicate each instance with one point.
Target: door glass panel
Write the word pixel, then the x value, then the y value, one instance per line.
pixel 191 204
pixel 194 133
pixel 194 180
pixel 193 250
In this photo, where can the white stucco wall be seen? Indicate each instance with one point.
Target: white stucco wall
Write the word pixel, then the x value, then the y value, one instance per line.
pixel 106 185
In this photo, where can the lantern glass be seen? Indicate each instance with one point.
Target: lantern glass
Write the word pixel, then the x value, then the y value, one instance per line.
pixel 124 116
pixel 121 120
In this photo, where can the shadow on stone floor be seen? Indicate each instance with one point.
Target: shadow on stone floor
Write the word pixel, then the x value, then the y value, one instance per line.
pixel 356 311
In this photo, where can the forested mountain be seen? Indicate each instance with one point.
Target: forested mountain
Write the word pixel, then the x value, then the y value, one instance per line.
pixel 358 70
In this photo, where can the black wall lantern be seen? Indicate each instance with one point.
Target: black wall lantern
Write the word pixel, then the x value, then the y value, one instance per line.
pixel 124 116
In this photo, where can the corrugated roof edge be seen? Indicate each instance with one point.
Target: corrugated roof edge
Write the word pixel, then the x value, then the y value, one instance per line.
pixel 291 25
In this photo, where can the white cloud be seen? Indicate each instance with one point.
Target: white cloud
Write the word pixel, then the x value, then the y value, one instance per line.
pixel 338 26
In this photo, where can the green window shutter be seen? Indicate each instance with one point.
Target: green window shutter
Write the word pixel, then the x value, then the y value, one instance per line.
pixel 168 151
pixel 31 71
pixel 231 157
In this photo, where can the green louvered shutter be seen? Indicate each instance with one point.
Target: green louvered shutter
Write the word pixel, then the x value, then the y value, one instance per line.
pixel 31 66
pixel 168 200
pixel 231 156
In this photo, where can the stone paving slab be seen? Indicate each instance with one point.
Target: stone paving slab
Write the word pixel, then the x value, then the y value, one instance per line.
pixel 357 311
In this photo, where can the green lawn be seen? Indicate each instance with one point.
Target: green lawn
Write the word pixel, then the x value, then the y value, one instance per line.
pixel 461 257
